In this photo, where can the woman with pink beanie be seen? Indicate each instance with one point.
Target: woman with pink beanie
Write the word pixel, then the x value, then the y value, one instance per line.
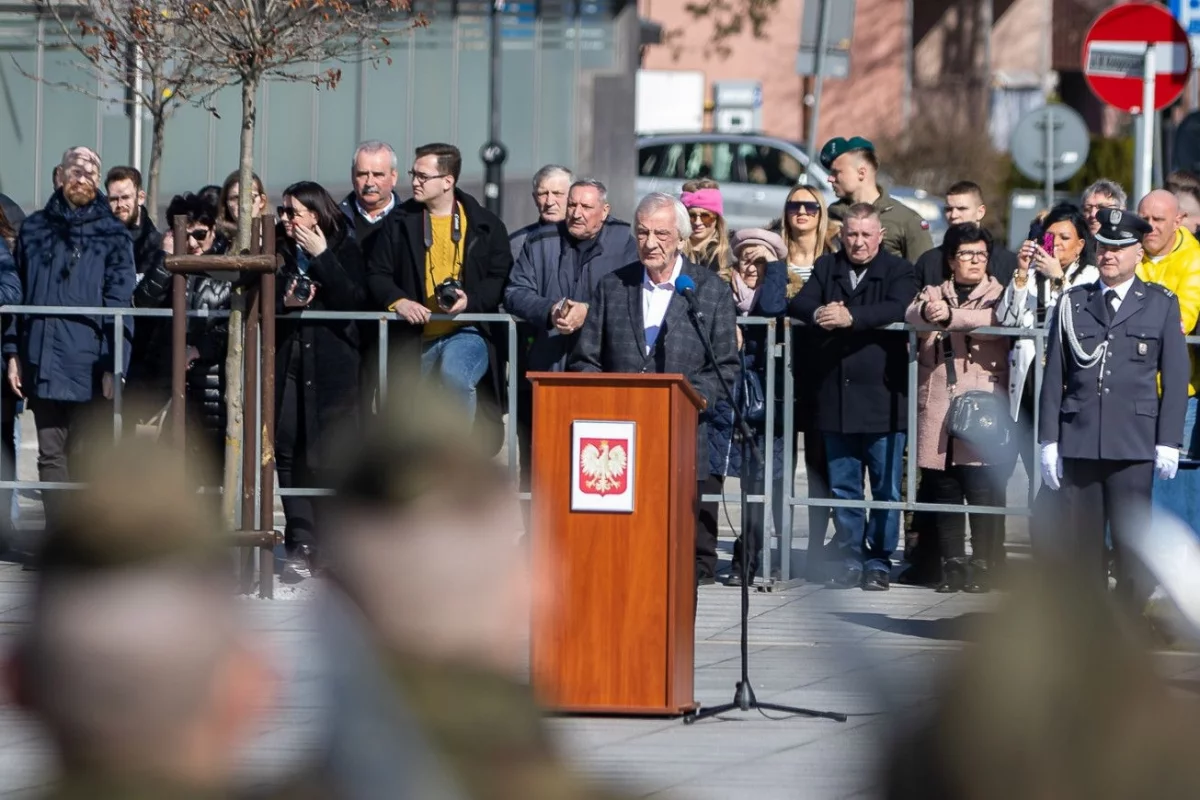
pixel 709 242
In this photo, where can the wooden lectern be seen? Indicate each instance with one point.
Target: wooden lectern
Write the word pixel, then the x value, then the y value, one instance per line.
pixel 614 526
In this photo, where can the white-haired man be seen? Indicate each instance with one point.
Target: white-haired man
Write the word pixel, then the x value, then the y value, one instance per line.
pixel 373 173
pixel 638 323
pixel 551 184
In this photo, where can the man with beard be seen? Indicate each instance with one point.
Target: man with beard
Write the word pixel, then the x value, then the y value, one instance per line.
pixel 74 252
pixel 128 203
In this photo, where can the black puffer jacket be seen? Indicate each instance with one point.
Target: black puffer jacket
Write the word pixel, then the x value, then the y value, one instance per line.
pixel 206 378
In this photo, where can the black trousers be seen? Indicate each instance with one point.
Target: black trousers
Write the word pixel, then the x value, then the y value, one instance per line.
pixel 292 455
pixel 707 525
pixel 1098 493
pixel 60 432
pixel 976 486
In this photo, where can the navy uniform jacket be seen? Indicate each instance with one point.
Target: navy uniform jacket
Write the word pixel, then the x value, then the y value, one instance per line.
pixel 1118 415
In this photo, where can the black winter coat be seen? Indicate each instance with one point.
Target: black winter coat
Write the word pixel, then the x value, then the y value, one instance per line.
pixel 210 336
pixel 861 373
pixel 330 351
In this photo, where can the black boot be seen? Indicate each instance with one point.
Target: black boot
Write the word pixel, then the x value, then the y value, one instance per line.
pixel 979 581
pixel 954 575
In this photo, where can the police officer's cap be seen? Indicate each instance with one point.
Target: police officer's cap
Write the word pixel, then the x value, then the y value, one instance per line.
pixel 1120 228
pixel 840 146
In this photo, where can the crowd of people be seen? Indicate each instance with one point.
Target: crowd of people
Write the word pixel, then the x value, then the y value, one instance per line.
pixel 842 272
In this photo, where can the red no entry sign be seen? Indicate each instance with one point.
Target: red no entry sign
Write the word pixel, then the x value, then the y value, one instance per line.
pixel 1115 49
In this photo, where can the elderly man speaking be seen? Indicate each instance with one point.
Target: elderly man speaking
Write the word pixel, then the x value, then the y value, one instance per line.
pixel 637 322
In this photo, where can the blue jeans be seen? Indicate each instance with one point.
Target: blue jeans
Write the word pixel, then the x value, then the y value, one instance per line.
pixel 460 360
pixel 882 455
pixel 1181 496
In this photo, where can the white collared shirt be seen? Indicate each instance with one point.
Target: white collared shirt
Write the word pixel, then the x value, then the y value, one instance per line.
pixel 656 297
pixel 373 218
pixel 1121 289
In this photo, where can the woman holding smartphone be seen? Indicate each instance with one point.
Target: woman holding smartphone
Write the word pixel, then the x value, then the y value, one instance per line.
pixel 316 362
pixel 1048 264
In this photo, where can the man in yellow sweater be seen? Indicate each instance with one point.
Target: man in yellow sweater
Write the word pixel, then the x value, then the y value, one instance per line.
pixel 441 253
pixel 1171 258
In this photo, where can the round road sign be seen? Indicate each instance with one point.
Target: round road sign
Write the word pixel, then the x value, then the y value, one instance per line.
pixel 1068 139
pixel 1115 47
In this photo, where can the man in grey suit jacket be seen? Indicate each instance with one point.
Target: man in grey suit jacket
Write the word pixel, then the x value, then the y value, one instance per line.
pixel 637 323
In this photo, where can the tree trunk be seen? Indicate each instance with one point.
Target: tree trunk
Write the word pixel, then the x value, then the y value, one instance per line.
pixel 236 357
pixel 158 133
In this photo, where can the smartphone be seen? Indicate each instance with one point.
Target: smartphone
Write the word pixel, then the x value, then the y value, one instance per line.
pixel 559 307
pixel 1048 243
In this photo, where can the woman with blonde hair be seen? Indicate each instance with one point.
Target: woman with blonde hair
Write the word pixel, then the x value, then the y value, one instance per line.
pixel 808 234
pixel 708 245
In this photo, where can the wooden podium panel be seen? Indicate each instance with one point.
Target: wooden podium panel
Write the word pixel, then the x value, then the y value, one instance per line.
pixel 619 634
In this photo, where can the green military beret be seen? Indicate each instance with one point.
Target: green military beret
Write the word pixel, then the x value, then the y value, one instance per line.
pixel 837 146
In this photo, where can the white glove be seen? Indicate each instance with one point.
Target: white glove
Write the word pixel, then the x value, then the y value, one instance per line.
pixel 1166 461
pixel 1051 466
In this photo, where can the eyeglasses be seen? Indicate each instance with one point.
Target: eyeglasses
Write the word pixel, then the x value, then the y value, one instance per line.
pixel 200 234
pixel 705 217
pixel 974 256
pixel 286 212
pixel 420 178
pixel 1092 208
pixel 810 207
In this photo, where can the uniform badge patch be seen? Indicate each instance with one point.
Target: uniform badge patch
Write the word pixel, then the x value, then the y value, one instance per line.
pixel 1143 348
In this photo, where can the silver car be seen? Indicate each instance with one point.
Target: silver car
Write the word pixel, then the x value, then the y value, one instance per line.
pixel 755 172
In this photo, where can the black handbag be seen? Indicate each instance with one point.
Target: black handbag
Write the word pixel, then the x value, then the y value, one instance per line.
pixel 978 418
pixel 751 398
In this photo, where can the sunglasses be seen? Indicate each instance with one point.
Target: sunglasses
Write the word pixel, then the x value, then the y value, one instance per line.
pixel 199 235
pixel 286 212
pixel 810 207
pixel 706 217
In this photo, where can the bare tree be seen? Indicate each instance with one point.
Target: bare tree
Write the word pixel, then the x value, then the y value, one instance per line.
pixel 132 45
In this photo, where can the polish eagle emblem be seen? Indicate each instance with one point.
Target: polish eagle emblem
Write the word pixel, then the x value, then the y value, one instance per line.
pixel 603 466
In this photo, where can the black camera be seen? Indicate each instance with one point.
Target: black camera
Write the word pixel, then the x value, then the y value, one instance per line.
pixel 447 291
pixel 302 286
pixel 300 291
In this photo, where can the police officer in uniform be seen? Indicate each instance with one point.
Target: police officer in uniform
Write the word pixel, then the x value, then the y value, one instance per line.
pixel 1104 427
pixel 854 175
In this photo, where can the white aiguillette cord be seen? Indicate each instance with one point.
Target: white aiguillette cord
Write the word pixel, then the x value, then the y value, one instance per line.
pixel 1066 330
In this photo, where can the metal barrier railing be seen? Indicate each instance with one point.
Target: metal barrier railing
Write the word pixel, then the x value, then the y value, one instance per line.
pixel 774 352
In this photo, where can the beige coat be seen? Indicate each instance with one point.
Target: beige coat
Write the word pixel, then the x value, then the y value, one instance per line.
pixel 980 361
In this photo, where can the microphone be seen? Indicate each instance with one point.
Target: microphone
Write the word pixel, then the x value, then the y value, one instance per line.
pixel 686 288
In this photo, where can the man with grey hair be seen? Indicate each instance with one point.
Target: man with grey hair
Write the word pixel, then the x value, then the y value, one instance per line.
pixel 550 186
pixel 373 173
pixel 1104 193
pixel 637 322
pixel 552 284
pixel 862 390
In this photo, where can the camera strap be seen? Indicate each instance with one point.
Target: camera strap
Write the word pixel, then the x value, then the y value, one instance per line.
pixel 456 235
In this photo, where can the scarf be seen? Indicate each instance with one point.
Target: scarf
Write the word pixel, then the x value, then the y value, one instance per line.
pixel 743 295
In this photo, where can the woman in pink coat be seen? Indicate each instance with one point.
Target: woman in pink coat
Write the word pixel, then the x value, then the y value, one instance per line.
pixel 954 472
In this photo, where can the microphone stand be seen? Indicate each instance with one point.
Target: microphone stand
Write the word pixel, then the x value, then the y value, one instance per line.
pixel 743 696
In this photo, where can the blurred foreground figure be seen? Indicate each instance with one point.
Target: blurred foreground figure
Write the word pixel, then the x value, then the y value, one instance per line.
pixel 136 659
pixel 430 583
pixel 1056 700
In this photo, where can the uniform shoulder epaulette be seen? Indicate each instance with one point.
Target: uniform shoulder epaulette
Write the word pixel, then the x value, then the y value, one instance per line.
pixel 1160 288
pixel 1083 287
